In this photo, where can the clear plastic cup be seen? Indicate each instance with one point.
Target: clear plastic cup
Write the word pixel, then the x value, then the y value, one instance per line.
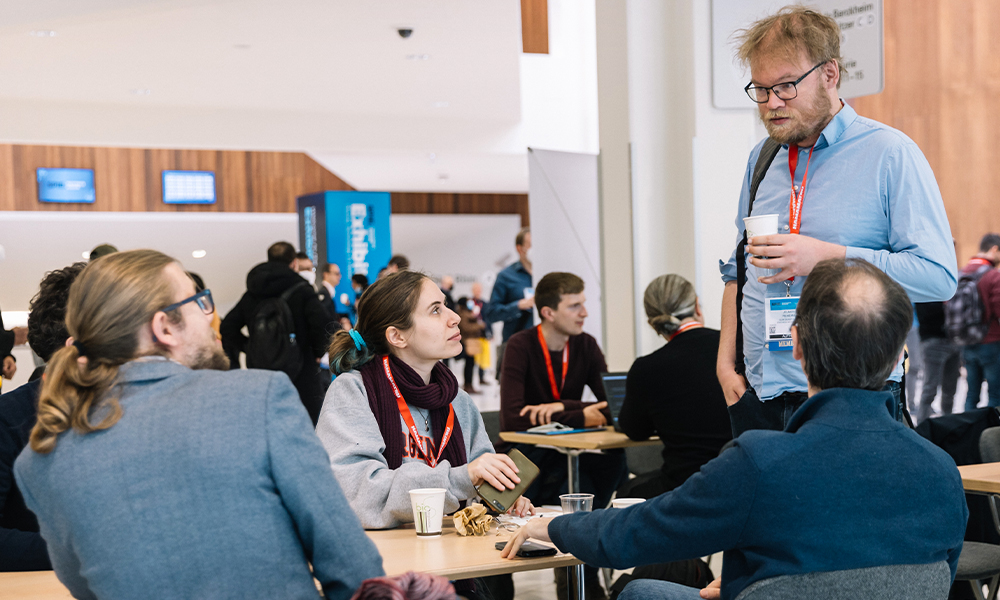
pixel 572 503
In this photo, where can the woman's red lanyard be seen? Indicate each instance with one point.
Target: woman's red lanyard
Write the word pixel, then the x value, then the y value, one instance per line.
pixel 404 410
pixel 556 389
pixel 683 328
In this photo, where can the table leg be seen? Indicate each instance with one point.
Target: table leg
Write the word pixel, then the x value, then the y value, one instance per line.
pixel 575 580
pixel 573 468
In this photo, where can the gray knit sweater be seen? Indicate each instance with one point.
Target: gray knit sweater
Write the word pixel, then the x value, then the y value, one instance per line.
pixel 380 495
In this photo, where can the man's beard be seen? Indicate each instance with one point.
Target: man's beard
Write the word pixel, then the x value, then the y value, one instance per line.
pixel 210 357
pixel 809 121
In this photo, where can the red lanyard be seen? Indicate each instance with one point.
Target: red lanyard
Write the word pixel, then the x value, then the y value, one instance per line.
pixel 795 203
pixel 556 389
pixel 404 410
pixel 980 261
pixel 683 328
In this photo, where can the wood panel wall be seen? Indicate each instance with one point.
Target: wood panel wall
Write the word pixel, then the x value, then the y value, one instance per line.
pixel 129 179
pixel 942 88
pixel 461 204
pixel 535 26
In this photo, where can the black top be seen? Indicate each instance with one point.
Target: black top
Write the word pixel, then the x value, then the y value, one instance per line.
pixel 21 546
pixel 313 325
pixel 674 393
pixel 930 315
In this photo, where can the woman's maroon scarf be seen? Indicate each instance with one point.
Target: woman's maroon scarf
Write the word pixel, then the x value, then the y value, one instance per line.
pixel 435 396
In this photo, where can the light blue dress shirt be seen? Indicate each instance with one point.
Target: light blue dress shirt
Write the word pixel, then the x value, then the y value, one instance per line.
pixel 870 189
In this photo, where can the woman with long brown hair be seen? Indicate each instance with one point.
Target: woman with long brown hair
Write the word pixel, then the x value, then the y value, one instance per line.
pixel 395 419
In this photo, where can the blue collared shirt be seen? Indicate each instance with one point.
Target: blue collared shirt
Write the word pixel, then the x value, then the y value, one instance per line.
pixel 870 189
pixel 508 290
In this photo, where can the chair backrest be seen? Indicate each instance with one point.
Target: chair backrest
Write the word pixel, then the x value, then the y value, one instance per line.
pixel 491 421
pixel 989 445
pixel 909 582
pixel 644 459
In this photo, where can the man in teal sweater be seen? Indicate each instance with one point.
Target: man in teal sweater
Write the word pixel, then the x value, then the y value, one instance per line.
pixel 844 486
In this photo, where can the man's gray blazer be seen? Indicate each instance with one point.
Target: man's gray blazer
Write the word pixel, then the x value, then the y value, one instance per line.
pixel 212 485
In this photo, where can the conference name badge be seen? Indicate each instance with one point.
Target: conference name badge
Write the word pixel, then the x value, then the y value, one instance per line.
pixel 779 316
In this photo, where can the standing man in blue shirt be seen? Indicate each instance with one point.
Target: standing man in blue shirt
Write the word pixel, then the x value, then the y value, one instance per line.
pixel 843 186
pixel 513 296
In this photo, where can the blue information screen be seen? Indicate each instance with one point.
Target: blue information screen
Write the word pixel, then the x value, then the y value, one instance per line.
pixel 188 187
pixel 66 185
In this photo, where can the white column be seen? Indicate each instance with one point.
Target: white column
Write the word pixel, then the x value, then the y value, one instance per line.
pixel 616 200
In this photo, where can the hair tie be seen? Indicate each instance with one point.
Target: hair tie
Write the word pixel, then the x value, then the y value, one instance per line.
pixel 79 348
pixel 359 342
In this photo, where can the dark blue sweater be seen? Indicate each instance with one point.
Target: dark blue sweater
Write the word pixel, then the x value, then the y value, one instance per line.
pixel 844 486
pixel 21 546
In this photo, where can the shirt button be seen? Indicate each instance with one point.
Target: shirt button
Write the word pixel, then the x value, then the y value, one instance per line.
pixel 786 227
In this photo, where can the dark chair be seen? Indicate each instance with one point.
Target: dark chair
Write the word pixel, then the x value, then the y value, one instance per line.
pixel 980 562
pixel 909 582
pixel 491 421
pixel 644 459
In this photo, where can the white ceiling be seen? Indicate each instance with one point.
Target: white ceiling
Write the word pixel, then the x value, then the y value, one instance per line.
pixel 441 110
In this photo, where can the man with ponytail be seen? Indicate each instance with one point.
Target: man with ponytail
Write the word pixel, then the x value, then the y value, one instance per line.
pixel 153 469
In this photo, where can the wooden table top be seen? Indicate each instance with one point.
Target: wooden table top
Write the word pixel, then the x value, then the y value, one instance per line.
pixel 590 440
pixel 981 478
pixel 454 556
pixel 449 555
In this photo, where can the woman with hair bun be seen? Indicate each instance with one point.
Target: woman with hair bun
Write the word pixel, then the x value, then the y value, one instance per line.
pixel 674 392
pixel 395 419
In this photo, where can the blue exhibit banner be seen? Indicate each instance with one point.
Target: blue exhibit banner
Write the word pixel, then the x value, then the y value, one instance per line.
pixel 349 229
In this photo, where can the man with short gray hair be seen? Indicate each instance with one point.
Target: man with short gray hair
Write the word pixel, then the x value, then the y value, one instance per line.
pixel 829 493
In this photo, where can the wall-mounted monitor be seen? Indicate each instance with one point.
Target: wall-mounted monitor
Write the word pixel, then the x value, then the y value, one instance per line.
pixel 189 187
pixel 66 185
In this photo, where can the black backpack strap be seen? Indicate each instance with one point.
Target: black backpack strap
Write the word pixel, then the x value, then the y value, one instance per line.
pixel 288 293
pixel 767 153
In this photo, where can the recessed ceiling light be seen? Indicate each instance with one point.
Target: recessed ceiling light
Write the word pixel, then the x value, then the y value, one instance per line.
pixel 142 91
pixel 418 57
pixel 199 254
pixel 42 33
pixel 86 255
pixel 441 104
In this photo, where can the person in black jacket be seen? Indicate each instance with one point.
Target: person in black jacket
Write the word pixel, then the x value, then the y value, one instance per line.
pixel 674 392
pixel 270 280
pixel 21 546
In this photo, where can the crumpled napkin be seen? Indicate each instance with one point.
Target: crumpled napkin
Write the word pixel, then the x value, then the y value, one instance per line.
pixel 472 520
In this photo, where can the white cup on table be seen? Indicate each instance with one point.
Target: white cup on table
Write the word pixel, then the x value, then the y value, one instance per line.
pixel 428 510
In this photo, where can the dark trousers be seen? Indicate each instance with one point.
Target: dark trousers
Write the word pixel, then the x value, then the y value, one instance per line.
pixel 751 413
pixel 307 383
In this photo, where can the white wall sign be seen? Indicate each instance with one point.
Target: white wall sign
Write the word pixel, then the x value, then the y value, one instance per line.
pixel 861 45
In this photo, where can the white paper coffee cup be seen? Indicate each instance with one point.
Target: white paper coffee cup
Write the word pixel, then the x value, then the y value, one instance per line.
pixel 626 502
pixel 761 225
pixel 428 509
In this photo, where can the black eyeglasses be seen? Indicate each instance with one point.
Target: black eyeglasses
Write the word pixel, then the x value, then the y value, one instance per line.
pixel 202 298
pixel 784 91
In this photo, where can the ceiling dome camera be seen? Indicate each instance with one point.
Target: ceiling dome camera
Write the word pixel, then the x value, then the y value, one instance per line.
pixel 404 32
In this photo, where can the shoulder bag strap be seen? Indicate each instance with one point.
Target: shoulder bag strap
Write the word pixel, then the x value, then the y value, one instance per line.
pixel 767 153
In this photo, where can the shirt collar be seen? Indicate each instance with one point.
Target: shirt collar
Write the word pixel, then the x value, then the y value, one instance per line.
pixel 846 408
pixel 329 288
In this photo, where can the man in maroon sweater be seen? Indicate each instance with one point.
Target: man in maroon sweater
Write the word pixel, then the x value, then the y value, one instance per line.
pixel 544 371
pixel 982 361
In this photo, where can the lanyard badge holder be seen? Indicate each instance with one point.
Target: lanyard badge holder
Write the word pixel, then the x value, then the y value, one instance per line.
pixel 779 313
pixel 411 426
